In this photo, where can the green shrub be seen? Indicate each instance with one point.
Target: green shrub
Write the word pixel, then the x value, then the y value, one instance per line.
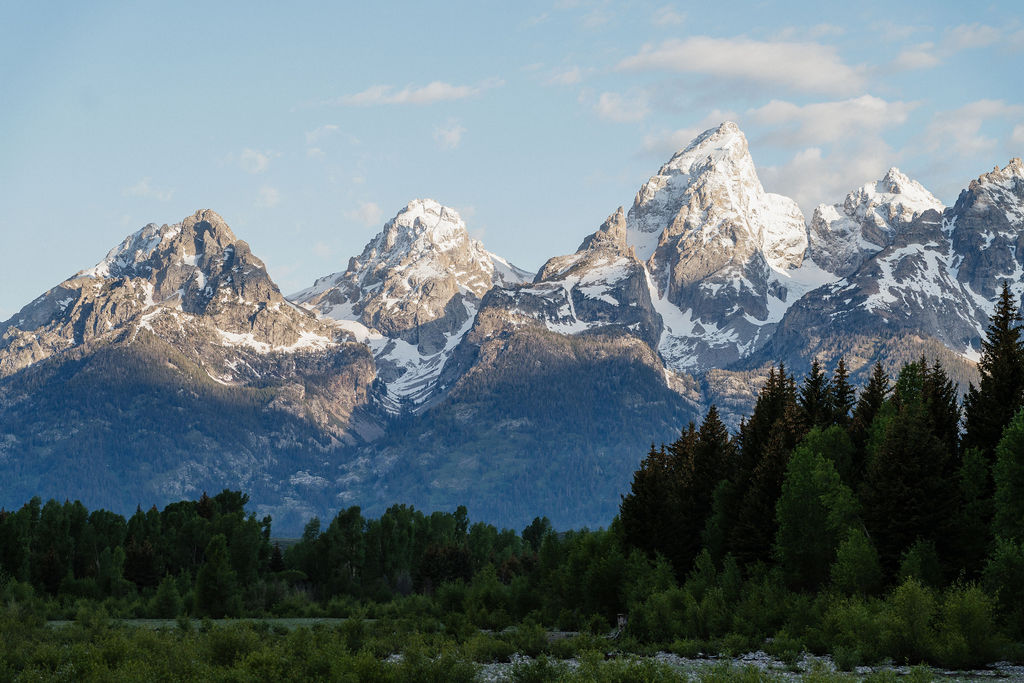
pixel 540 670
pixel 966 628
pixel 921 562
pixel 856 569
pixel 910 609
pixel 227 644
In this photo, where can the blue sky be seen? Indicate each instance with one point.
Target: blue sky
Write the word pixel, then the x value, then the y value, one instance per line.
pixel 308 126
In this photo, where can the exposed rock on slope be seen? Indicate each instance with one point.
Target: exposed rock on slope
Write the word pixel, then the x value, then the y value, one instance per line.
pixel 411 295
pixel 843 236
pixel 723 254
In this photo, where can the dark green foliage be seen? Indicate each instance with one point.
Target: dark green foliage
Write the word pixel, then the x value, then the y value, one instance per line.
pixel 815 512
pixel 1008 474
pixel 973 524
pixel 842 396
pixel 910 489
pixel 1004 577
pixel 869 404
pixel 217 590
pixel 815 398
pixel 856 570
pixel 990 406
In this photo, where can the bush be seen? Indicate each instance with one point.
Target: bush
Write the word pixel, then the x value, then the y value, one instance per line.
pixel 1004 577
pixel 909 612
pixel 857 569
pixel 921 562
pixel 966 628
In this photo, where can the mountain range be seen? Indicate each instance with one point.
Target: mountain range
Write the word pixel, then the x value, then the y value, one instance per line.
pixel 433 372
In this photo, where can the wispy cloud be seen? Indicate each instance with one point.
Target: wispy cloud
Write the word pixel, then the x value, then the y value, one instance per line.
pixel 268 198
pixel 253 161
pixel 449 136
pixel 960 130
pixel 920 56
pixel 668 15
pixel 814 175
pixel 968 36
pixel 957 39
pixel 612 106
pixel 565 76
pixel 436 91
pixel 366 213
pixel 823 122
pixel 1017 137
pixel 319 133
pixel 145 190
pixel 805 66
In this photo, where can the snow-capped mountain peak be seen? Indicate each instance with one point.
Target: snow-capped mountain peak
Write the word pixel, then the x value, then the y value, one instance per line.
pixel 412 294
pixel 843 236
pixel 153 245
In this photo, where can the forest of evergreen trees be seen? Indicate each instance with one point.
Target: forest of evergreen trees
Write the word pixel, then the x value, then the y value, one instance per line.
pixel 879 525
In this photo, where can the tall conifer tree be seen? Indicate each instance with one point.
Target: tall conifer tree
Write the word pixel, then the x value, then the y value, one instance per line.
pixel 990 406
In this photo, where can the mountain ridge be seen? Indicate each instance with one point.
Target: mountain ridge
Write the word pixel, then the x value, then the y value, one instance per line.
pixel 391 380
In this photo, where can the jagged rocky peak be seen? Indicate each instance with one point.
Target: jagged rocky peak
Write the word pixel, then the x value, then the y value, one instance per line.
pixel 987 226
pixel 608 244
pixel 843 236
pixel 192 279
pixel 709 194
pixel 602 286
pixel 421 268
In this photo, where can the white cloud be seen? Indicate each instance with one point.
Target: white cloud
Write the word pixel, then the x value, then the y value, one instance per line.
pixel 921 56
pixel 269 197
pixel 797 65
pixel 449 136
pixel 965 37
pixel 958 131
pixel 567 76
pixel 668 142
pixel 1017 137
pixel 823 122
pixel 813 176
pixel 959 38
pixel 321 132
pixel 614 107
pixel 322 249
pixel 436 91
pixel 253 161
pixel 315 153
pixel 809 33
pixel 668 16
pixel 366 213
pixel 144 190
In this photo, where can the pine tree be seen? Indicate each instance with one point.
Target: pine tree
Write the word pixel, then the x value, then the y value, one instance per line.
pixel 216 584
pixel 815 398
pixel 651 503
pixel 842 395
pixel 711 456
pixel 990 406
pixel 1008 523
pixel 910 491
pixel 870 401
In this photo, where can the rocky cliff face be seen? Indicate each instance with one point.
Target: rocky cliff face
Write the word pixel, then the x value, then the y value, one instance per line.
pixel 723 255
pixel 936 279
pixel 844 236
pixel 411 295
pixel 176 365
pixel 193 280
